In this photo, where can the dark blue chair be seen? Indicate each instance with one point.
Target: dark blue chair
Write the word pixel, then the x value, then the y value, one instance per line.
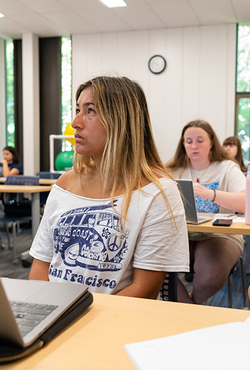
pixel 17 209
pixel 46 175
pixel 230 282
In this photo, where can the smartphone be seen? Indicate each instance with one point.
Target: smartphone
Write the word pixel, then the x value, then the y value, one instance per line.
pixel 222 222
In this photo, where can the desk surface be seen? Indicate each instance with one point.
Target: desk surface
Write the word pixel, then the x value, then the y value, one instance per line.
pixel 41 181
pixel 24 188
pixel 47 181
pixel 236 228
pixel 97 339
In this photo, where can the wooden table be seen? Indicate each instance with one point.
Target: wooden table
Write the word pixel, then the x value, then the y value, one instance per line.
pixel 35 192
pixel 236 228
pixel 47 181
pixel 41 181
pixel 97 339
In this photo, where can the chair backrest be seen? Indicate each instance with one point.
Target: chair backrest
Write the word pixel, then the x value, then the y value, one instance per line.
pixel 22 180
pixel 168 290
pixel 15 205
pixel 48 175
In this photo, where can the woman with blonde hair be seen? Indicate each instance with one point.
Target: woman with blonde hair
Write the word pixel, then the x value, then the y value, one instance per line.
pixel 232 145
pixel 219 186
pixel 116 221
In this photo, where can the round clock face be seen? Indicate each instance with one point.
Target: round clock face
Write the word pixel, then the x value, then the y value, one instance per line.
pixel 157 64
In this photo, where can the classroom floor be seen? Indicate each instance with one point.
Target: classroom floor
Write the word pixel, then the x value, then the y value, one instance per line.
pixel 23 243
pixel 24 240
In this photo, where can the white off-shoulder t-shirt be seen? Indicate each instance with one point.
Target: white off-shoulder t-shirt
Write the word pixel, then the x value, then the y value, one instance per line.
pixel 85 243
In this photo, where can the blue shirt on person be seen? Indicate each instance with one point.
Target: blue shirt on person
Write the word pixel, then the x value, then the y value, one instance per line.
pixel 18 166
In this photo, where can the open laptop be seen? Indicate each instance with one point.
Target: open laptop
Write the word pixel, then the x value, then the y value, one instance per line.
pixel 187 190
pixel 44 301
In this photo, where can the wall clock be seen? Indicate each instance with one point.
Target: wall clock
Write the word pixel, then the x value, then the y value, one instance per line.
pixel 157 64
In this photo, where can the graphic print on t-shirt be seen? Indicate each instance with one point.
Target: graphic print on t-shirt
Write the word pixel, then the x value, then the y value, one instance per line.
pixel 206 205
pixel 92 238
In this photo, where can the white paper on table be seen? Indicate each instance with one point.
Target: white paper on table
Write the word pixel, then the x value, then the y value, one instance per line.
pixel 218 347
pixel 225 216
pixel 230 216
pixel 239 219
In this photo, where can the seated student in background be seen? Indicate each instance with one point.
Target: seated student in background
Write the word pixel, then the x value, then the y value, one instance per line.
pixel 233 147
pixel 219 186
pixel 10 165
pixel 116 221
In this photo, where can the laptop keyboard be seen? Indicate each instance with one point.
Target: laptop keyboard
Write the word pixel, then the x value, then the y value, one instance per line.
pixel 204 218
pixel 28 315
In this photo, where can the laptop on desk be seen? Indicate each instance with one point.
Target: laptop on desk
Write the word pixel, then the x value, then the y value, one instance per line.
pixel 187 190
pixel 29 307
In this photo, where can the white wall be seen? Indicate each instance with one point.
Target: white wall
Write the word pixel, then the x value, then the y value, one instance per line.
pixel 199 81
pixel 31 112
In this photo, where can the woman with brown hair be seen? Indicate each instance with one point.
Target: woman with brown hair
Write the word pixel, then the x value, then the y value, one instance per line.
pixel 10 165
pixel 115 222
pixel 219 186
pixel 232 145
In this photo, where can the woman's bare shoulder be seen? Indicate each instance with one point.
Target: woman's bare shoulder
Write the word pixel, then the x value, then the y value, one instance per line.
pixel 66 179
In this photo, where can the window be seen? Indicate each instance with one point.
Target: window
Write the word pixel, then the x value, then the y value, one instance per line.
pixel 9 83
pixel 66 108
pixel 243 89
pixel 243 121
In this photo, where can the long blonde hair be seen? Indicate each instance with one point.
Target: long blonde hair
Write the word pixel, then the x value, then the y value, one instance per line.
pixel 130 151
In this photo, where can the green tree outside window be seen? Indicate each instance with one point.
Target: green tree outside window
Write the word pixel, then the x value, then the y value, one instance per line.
pixel 9 83
pixel 243 89
pixel 66 78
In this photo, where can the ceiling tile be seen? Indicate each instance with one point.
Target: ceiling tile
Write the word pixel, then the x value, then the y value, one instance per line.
pixel 13 7
pixel 135 2
pixel 242 10
pixel 11 29
pixel 213 11
pixel 71 21
pixel 152 2
pixel 176 14
pixel 105 20
pixel 139 17
pixel 63 17
pixel 40 26
pixel 83 4
pixel 44 6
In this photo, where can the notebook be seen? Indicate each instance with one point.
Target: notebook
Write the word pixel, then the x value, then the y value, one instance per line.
pixel 24 303
pixel 187 190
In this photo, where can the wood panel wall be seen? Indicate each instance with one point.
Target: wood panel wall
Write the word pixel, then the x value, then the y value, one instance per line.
pixel 199 81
